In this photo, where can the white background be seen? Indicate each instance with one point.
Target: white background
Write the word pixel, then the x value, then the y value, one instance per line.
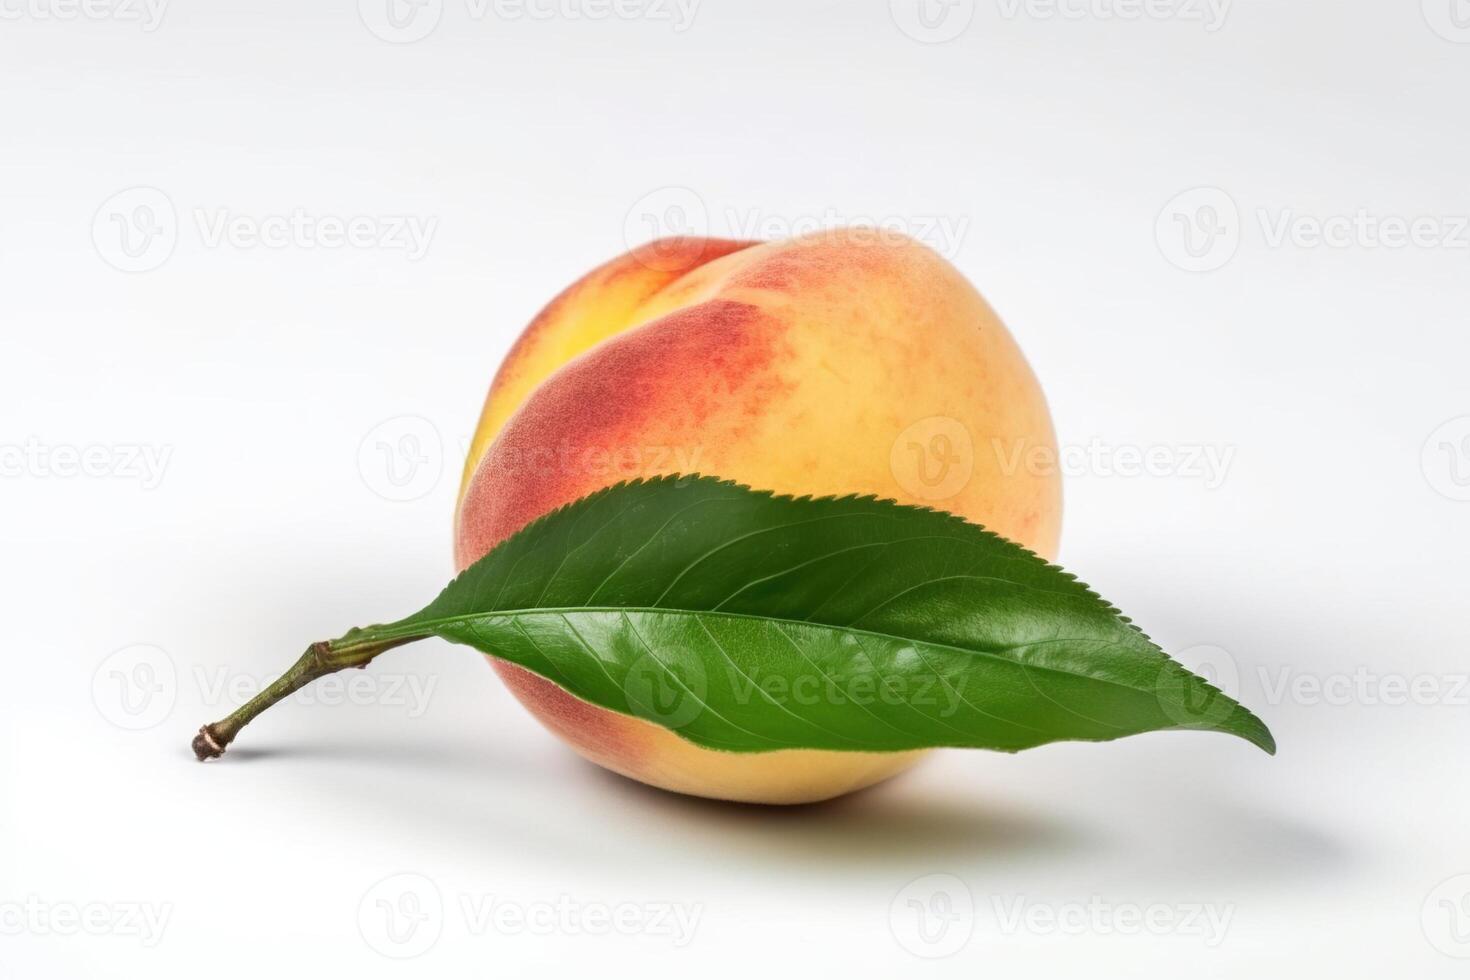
pixel 1044 154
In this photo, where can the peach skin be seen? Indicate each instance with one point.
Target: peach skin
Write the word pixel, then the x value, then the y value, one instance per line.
pixel 853 361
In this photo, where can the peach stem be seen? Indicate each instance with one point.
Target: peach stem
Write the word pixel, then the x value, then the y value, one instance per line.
pixel 357 648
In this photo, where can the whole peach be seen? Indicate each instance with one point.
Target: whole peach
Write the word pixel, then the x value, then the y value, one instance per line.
pixel 852 361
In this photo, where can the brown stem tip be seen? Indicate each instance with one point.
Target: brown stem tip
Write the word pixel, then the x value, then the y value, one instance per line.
pixel 207 745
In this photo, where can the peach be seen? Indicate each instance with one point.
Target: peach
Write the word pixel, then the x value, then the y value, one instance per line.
pixel 852 361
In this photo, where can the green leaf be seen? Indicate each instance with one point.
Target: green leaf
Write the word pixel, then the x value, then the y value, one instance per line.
pixel 749 622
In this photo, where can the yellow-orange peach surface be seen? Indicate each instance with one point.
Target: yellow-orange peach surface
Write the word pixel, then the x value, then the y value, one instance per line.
pixel 843 362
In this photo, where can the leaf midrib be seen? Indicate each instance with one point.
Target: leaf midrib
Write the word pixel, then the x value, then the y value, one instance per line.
pixel 408 628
